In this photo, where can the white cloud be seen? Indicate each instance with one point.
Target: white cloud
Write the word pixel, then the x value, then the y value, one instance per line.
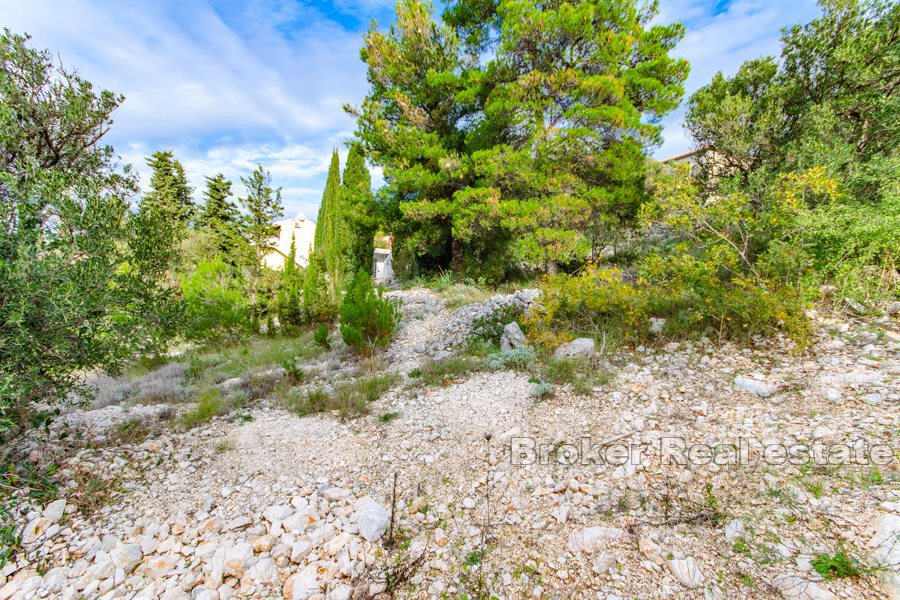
pixel 227 85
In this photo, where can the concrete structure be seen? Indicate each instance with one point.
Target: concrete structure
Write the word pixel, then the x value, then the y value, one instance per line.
pixel 299 229
pixel 383 269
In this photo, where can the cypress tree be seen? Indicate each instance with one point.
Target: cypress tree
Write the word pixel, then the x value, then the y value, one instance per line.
pixel 327 241
pixel 359 213
pixel 288 301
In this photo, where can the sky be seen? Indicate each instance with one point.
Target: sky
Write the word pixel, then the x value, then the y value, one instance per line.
pixel 230 84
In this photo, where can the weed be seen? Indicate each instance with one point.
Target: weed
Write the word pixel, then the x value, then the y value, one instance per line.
pixel 208 406
pixel 518 359
pixel 320 336
pixel 132 431
pixel 293 374
pixel 372 365
pixel 349 399
pixel 837 565
pixel 474 558
pixel 542 389
pixel 225 445
pixel 353 398
pixel 91 493
pixel 447 371
pixel 388 417
pixel 417 372
pixel 581 373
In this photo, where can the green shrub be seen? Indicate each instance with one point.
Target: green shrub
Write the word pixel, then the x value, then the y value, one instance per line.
pixel 518 359
pixel 388 417
pixel 837 565
pixel 445 372
pixel 208 406
pixel 215 300
pixel 348 399
pixel 368 320
pixel 320 336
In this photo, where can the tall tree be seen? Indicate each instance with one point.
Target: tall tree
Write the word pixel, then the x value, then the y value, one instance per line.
pixel 262 206
pixel 290 313
pixel 830 101
pixel 522 136
pixel 321 286
pixel 360 213
pixel 219 215
pixel 169 194
pixel 331 229
pixel 78 290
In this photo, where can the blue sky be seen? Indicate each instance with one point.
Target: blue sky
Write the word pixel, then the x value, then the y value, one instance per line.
pixel 227 85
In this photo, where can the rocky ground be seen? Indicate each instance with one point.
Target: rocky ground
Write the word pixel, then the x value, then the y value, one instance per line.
pixel 635 490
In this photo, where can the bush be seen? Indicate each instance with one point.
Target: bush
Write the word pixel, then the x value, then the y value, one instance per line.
pixel 348 399
pixel 368 320
pixel 216 303
pixel 208 406
pixel 518 359
pixel 320 336
pixel 317 304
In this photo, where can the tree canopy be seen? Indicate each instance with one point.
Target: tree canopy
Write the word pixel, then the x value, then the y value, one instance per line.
pixel 512 131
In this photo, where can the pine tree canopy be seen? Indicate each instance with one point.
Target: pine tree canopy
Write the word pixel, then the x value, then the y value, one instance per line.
pixel 169 192
pixel 515 131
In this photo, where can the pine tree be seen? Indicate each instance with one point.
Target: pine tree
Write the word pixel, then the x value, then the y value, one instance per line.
pixel 262 205
pixel 359 213
pixel 290 313
pixel 169 195
pixel 219 215
pixel 513 129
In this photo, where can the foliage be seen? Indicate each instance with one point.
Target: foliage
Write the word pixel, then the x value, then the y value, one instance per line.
pixel 368 319
pixel 79 289
pixel 262 205
pixel 317 304
pixel 170 195
pixel 360 212
pixel 320 336
pixel 349 399
pixel 215 300
pixel 506 152
pixel 444 372
pixel 330 239
pixel 542 389
pixel 583 374
pixel 829 108
pixel 209 404
pixel 290 311
pixel 836 566
pixel 220 217
pixel 830 102
pixel 519 359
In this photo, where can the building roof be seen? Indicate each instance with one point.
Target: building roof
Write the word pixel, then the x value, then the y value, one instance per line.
pixel 687 154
